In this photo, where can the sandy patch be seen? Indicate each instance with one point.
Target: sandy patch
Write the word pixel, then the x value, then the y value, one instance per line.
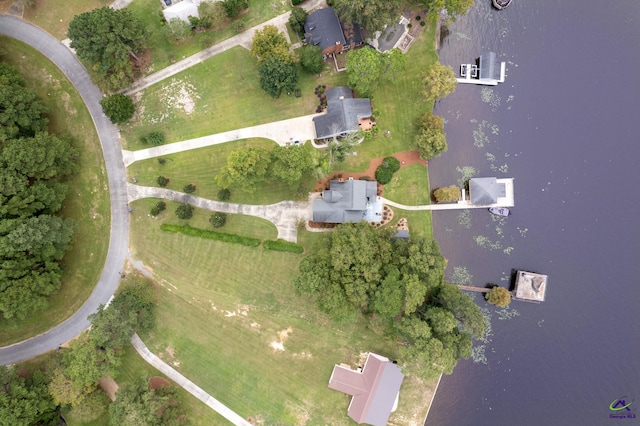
pixel 278 346
pixel 169 356
pixel 158 382
pixel 109 386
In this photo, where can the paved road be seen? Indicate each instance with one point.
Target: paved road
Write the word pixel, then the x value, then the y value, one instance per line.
pixel 119 239
pixel 243 39
pixel 285 215
pixel 281 132
pixel 185 383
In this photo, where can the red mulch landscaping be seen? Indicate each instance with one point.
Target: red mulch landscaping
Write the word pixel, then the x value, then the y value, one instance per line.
pixel 406 158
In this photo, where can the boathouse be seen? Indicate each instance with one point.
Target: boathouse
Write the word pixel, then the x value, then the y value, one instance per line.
pixel 530 287
pixel 486 71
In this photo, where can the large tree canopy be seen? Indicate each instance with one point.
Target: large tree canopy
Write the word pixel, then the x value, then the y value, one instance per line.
pixel 277 75
pixel 108 39
pixel 33 169
pixel 362 270
pixel 25 401
pixel 246 167
pixel 454 8
pixel 270 42
pixel 371 15
pixel 289 164
pixel 21 112
pixel 367 67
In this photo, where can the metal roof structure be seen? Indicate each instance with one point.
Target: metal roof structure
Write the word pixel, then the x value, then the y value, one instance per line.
pixel 485 191
pixel 374 389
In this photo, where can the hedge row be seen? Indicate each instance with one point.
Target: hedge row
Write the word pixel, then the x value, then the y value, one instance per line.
pixel 281 245
pixel 211 235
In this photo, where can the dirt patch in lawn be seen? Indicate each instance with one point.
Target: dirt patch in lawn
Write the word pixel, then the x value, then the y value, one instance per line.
pixel 405 158
pixel 278 346
pixel 158 382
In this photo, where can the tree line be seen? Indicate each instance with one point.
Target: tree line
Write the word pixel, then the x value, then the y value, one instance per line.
pixel 363 272
pixel 35 167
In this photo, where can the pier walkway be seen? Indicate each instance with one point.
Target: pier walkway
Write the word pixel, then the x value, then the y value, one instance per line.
pixel 472 288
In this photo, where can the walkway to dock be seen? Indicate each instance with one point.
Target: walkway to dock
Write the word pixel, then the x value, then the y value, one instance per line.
pixel 472 288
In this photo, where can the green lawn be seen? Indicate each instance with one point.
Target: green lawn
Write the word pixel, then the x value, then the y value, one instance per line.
pixel 224 308
pixel 87 202
pixel 199 167
pixel 222 93
pixel 398 105
pixel 163 52
pixel 53 18
pixel 409 185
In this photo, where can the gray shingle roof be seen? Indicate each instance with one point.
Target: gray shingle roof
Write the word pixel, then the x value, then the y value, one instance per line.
pixel 343 112
pixel 322 28
pixel 390 36
pixel 485 191
pixel 344 202
pixel 489 67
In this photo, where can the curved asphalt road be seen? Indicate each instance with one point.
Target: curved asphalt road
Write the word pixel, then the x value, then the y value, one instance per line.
pixel 119 240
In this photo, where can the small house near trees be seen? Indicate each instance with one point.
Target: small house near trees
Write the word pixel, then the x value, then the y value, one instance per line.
pixel 345 114
pixel 374 389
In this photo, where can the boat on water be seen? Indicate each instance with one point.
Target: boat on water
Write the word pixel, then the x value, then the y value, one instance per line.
pixel 500 211
pixel 501 4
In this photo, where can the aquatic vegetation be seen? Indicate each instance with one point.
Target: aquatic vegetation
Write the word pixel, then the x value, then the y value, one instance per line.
pixel 490 157
pixel 508 250
pixel 485 242
pixel 523 232
pixel 467 173
pixel 461 276
pixel 490 97
pixel 478 354
pixel 481 134
pixel 507 313
pixel 464 218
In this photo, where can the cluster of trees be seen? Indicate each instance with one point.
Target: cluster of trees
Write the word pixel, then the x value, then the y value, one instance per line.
pixel 453 8
pixel 109 40
pixel 372 15
pixel 385 171
pixel 34 169
pixel 276 65
pixel 71 379
pixel 360 270
pixel 247 167
pixel 367 67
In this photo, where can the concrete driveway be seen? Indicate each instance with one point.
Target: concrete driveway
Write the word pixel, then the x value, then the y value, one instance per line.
pixel 282 132
pixel 119 237
pixel 285 215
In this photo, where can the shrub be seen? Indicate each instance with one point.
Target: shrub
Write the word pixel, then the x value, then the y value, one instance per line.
pixel 234 7
pixel 158 208
pixel 423 23
pixel 383 175
pixel 224 194
pixel 155 138
pixel 391 163
pixel 218 219
pixel 189 189
pixel 409 25
pixel 211 235
pixel 297 2
pixel 237 27
pixel 162 161
pixel 417 17
pixel 282 245
pixel 163 181
pixel 447 195
pixel 184 211
pixel 499 296
pixel 311 61
pixel 118 107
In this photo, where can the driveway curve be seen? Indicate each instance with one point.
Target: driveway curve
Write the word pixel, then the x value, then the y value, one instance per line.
pixel 285 215
pixel 119 237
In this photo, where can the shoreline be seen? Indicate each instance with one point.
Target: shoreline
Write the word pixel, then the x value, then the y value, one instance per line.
pixel 424 422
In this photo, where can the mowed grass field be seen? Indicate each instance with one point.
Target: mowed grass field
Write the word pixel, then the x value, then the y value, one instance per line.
pixel 54 16
pixel 87 202
pixel 228 319
pixel 410 186
pixel 222 93
pixel 200 166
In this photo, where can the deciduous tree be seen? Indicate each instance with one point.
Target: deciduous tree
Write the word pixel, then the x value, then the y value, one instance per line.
pixel 297 19
pixel 270 42
pixel 290 164
pixel 311 59
pixel 277 76
pixel 438 82
pixel 246 167
pixel 447 194
pixel 118 107
pixel 454 8
pixel 25 401
pixel 499 296
pixel 184 211
pixel 431 140
pixel 234 7
pixel 367 67
pixel 372 15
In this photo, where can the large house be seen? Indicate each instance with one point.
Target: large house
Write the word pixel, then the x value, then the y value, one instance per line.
pixel 323 28
pixel 349 201
pixel 344 113
pixel 374 389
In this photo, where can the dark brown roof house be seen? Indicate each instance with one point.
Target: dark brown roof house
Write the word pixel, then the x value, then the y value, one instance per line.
pixel 374 389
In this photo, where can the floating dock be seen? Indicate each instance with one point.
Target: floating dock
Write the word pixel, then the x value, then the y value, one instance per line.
pixel 486 72
pixel 530 287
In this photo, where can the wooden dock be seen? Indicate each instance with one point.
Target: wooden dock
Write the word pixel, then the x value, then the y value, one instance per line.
pixel 472 288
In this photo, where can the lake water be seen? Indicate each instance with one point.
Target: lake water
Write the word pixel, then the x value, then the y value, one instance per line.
pixel 565 125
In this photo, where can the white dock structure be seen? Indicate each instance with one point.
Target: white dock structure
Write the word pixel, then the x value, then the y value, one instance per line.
pixel 487 72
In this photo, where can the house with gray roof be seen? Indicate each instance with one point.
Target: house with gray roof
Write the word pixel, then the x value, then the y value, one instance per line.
pixel 486 191
pixel 349 201
pixel 322 28
pixel 344 113
pixel 374 389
